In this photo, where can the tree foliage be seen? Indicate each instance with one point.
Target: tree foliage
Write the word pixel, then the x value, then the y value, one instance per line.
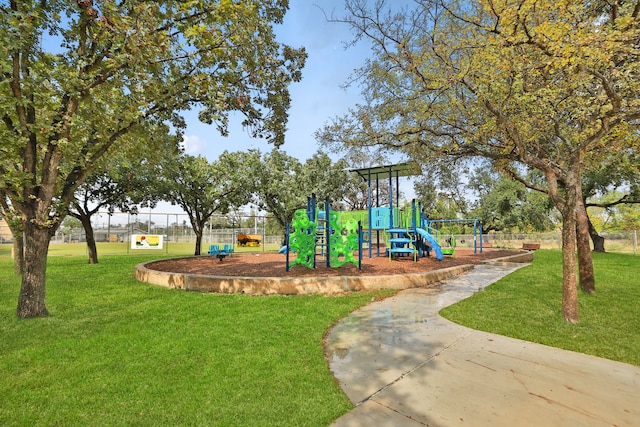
pixel 78 76
pixel 283 183
pixel 544 85
pixel 125 181
pixel 201 188
pixel 355 195
pixel 503 204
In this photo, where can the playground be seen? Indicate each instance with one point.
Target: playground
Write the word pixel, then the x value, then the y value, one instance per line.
pixel 272 265
pixel 329 251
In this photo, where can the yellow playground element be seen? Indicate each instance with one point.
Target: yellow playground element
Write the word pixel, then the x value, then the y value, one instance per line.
pixel 249 239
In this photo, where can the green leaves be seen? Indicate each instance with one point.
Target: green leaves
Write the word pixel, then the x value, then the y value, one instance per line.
pixel 201 188
pixel 82 80
pixel 283 184
pixel 88 75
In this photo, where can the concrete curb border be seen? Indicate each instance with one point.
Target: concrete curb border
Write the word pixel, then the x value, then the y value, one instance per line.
pixel 303 285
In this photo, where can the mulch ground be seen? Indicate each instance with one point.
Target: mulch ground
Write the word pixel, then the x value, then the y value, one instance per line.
pixel 274 265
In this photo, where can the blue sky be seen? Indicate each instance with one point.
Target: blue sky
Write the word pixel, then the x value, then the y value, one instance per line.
pixel 315 100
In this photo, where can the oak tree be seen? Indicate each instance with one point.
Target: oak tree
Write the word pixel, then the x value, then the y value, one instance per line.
pixel 283 183
pixel 540 85
pixel 201 188
pixel 77 76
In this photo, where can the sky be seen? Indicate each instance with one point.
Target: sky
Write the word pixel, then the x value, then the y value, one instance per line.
pixel 315 100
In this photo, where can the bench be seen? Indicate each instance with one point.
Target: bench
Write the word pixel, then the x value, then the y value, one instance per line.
pixel 531 246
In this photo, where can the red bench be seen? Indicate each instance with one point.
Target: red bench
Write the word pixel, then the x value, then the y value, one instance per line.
pixel 531 246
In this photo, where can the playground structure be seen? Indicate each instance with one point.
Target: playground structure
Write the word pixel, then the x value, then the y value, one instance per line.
pixel 315 233
pixel 437 224
pixel 401 232
pixel 410 234
pixel 404 232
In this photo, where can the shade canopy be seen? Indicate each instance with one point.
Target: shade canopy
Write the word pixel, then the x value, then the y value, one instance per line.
pixel 410 168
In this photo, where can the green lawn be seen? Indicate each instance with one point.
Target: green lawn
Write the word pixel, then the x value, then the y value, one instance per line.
pixel 118 352
pixel 528 305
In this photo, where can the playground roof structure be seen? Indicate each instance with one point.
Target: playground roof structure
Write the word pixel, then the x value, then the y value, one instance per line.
pixel 398 170
pixel 376 173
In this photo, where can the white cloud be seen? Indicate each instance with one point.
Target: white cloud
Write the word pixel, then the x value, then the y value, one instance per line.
pixel 192 144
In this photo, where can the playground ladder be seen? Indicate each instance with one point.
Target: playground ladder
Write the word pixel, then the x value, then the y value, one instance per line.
pixel 400 243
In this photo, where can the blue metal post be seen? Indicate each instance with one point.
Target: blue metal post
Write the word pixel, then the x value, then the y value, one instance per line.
pixel 369 204
pixel 287 246
pixel 327 230
pixel 390 198
pixel 360 245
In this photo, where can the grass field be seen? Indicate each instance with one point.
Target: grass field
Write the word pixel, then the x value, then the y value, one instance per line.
pixel 527 305
pixel 123 248
pixel 117 352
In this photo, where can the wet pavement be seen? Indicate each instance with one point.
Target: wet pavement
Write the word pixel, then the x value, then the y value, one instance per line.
pixel 401 364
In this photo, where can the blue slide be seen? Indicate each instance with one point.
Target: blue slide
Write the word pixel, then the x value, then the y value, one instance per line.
pixel 432 242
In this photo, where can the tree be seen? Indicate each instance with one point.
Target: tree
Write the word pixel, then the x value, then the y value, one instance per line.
pixel 530 85
pixel 441 189
pixel 75 77
pixel 503 204
pixel 283 184
pixel 619 177
pixel 356 192
pixel 127 180
pixel 201 188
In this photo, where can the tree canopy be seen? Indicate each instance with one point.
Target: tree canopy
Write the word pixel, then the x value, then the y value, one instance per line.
pixel 283 183
pixel 503 204
pixel 124 181
pixel 545 85
pixel 201 188
pixel 77 77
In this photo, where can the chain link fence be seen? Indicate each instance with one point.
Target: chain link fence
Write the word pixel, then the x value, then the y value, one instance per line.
pixel 618 241
pixel 175 227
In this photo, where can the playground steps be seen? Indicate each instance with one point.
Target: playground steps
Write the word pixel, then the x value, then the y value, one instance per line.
pixel 402 251
pixel 400 243
pixel 401 240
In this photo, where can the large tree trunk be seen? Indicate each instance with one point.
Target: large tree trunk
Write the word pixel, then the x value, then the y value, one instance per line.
pixel 31 301
pixel 598 240
pixel 198 248
pixel 91 238
pixel 585 261
pixel 569 279
pixel 566 202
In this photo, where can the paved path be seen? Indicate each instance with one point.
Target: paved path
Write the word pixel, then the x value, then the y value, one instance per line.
pixel 402 364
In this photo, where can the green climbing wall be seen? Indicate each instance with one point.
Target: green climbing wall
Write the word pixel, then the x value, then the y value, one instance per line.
pixel 302 239
pixel 343 241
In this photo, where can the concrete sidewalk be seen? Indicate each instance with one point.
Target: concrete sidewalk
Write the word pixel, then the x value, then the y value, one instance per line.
pixel 402 364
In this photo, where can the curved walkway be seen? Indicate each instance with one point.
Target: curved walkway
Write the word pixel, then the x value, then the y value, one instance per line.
pixel 402 364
